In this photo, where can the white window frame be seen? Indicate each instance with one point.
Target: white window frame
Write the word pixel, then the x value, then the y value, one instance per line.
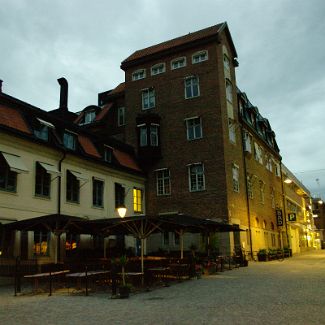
pixel 229 91
pixel 138 74
pixel 178 63
pixel 154 135
pixel 194 82
pixel 143 135
pixel 250 191
pixel 120 116
pixel 258 153
pixel 277 169
pixel 89 117
pixel 148 96
pixel 232 130
pixel 199 178
pixel 72 136
pixel 196 128
pixel 200 56
pixel 158 68
pixel 235 178
pixel 247 142
pixel 163 184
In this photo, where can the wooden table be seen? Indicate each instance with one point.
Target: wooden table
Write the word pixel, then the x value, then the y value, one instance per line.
pixel 85 275
pixel 49 275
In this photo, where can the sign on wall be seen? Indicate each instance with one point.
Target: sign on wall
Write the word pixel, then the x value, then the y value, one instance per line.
pixel 292 217
pixel 279 217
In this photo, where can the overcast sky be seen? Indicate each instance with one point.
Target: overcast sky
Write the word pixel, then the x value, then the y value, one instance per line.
pixel 280 46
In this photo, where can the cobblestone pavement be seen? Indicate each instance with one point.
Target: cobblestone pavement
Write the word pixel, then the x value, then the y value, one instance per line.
pixel 288 292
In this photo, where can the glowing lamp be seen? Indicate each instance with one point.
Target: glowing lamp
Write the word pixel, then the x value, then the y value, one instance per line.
pixel 121 210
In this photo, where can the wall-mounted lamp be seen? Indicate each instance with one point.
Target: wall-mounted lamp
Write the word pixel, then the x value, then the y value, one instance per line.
pixel 288 180
pixel 320 202
pixel 121 210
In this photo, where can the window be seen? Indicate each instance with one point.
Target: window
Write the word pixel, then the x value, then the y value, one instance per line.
pixel 262 196
pixel 178 63
pixel 258 153
pixel 247 142
pixel 192 87
pixel 165 238
pixel 69 140
pixel 196 177
pixel 148 98
pixel 272 196
pixel 194 128
pixel 98 193
pixel 121 116
pixel 226 62
pixel 163 181
pixel 143 136
pixel 8 178
pixel 119 195
pixel 72 242
pixel 176 238
pixel 42 132
pixel 153 135
pixel 235 178
pixel 277 169
pixel 137 200
pixel 108 153
pixel 42 181
pixel 199 57
pixel 139 74
pixel 250 187
pixel 73 189
pixel 273 240
pixel 89 117
pixel 269 164
pixel 232 130
pixel 158 68
pixel 41 243
pixel 229 91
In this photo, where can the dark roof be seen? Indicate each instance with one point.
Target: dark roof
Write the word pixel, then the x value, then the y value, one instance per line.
pixel 205 33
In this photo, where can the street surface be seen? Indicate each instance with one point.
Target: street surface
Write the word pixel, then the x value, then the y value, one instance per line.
pixel 288 292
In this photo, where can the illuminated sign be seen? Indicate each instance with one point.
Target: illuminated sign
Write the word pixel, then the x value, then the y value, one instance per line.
pixel 279 217
pixel 292 217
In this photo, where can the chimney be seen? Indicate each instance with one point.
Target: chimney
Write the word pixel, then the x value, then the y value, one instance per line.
pixel 63 94
pixel 1 85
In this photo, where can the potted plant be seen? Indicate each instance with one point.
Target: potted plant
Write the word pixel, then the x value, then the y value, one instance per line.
pixel 124 289
pixel 272 254
pixel 262 255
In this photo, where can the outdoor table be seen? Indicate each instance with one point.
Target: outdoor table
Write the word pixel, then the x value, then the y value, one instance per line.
pixel 180 269
pixel 160 273
pixel 86 275
pixel 49 275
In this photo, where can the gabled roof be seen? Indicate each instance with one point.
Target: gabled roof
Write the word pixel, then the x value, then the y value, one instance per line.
pixel 205 33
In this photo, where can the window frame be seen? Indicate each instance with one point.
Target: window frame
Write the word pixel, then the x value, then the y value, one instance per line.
pixel 121 116
pixel 226 62
pixel 235 178
pixel 137 200
pixel 199 56
pixel 148 95
pixel 9 177
pixel 163 182
pixel 67 136
pixel 44 181
pixel 41 235
pixel 194 82
pixel 195 186
pixel 229 91
pixel 98 193
pixel 158 66
pixel 232 131
pixel 137 73
pixel 177 60
pixel 72 188
pixel 92 114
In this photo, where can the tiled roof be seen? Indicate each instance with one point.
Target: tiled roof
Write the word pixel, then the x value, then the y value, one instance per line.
pixel 191 37
pixel 13 119
pixel 88 146
pixel 79 118
pixel 103 112
pixel 125 160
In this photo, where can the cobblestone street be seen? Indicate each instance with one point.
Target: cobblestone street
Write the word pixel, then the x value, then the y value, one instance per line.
pixel 288 292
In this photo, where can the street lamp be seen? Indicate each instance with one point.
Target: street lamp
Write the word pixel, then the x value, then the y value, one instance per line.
pixel 121 210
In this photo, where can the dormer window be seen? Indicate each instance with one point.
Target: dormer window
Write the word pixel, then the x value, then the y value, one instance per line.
pixel 138 74
pixel 158 68
pixel 42 132
pixel 178 63
pixel 90 117
pixel 199 57
pixel 108 153
pixel 69 140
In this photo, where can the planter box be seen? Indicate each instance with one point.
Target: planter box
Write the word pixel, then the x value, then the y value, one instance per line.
pixel 262 258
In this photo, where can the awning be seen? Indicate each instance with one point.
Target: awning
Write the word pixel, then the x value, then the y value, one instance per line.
pixel 48 124
pixel 79 176
pixel 15 163
pixel 51 169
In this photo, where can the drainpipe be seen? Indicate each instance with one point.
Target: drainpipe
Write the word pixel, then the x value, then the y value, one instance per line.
pixel 284 206
pixel 247 197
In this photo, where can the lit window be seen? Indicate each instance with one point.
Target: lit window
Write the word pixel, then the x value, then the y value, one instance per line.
pixel 232 130
pixel 226 62
pixel 121 116
pixel 194 128
pixel 199 57
pixel 98 193
pixel 72 242
pixel 178 63
pixel 139 74
pixel 69 140
pixel 229 91
pixel 148 98
pixel 137 200
pixel 8 178
pixel 158 68
pixel 41 243
pixel 163 182
pixel 196 177
pixel 42 181
pixel 89 116
pixel 235 178
pixel 72 188
pixel 192 87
